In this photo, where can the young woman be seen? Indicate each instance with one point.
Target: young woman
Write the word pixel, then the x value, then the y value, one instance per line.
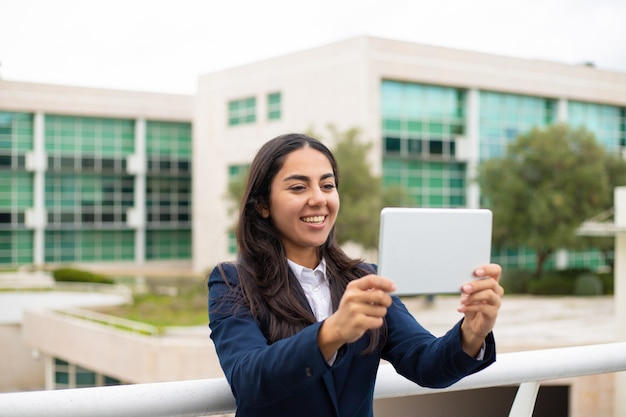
pixel 299 327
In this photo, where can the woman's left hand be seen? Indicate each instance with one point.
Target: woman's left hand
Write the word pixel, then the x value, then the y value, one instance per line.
pixel 480 302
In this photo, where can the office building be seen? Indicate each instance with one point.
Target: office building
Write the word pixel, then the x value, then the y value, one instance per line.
pixel 431 113
pixel 93 176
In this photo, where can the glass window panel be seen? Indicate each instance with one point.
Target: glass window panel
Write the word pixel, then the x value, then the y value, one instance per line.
pixel 243 112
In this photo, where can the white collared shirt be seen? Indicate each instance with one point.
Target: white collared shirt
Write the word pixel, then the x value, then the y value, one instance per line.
pixel 316 288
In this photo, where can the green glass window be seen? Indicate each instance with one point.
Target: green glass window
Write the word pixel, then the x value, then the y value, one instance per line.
pixel 70 375
pixel 171 139
pixel 273 106
pixel 503 117
pixel 420 124
pixel 242 111
pixel 85 377
pixel 168 190
pixel 421 120
pixel 16 247
pixel 168 244
pixel 607 123
pixel 168 201
pixel 89 136
pixel 16 132
pixel 428 183
pixel 89 200
pixel 89 246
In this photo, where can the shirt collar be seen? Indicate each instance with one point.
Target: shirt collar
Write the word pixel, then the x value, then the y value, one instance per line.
pixel 297 268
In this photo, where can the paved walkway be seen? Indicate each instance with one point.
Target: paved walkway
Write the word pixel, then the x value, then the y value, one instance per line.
pixel 531 322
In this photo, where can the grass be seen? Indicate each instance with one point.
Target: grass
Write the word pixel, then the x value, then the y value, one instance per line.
pixel 178 302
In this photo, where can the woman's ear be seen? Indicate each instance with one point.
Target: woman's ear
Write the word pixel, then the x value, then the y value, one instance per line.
pixel 263 210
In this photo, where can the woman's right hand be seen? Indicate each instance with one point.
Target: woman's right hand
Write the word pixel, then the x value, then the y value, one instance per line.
pixel 362 307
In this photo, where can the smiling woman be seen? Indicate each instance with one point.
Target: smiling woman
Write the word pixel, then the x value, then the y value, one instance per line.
pixel 299 327
pixel 303 204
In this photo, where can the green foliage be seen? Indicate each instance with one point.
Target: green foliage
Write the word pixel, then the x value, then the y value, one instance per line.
pixel 549 182
pixel 588 284
pixel 573 281
pixel 551 285
pixel 182 302
pixel 515 281
pixel 608 282
pixel 78 275
pixel 359 190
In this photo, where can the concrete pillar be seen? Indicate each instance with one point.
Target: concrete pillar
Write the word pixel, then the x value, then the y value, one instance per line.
pixel 561 111
pixel 136 216
pixel 36 162
pixel 473 148
pixel 620 292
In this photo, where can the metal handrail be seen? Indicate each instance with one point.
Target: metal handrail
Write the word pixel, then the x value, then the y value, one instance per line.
pixel 213 396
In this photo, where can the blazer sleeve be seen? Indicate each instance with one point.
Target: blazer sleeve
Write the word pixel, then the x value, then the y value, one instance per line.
pixel 430 361
pixel 259 373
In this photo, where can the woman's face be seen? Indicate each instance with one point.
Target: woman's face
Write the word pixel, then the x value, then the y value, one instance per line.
pixel 303 204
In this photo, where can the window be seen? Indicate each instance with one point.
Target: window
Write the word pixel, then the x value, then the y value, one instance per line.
pixel 273 106
pixel 242 111
pixel 69 375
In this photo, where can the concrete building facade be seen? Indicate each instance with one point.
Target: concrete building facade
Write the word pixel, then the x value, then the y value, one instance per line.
pixel 431 113
pixel 92 175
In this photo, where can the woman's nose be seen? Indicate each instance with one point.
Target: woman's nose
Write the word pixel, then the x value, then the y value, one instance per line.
pixel 317 197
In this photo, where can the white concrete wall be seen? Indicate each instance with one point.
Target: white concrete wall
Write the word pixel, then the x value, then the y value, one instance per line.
pixel 19 371
pixel 82 101
pixel 123 355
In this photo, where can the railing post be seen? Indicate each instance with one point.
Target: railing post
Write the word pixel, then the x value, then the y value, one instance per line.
pixel 525 400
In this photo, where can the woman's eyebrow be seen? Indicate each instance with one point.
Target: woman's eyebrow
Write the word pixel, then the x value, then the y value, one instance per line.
pixel 300 177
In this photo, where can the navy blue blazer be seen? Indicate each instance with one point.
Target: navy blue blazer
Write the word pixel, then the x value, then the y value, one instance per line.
pixel 291 377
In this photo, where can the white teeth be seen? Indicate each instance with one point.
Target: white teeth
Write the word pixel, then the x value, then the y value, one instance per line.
pixel 313 219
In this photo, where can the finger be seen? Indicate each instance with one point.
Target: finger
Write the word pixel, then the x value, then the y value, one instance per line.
pixel 367 297
pixel 374 281
pixel 489 270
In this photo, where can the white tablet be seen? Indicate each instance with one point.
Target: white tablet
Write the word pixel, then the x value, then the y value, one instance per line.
pixel 433 251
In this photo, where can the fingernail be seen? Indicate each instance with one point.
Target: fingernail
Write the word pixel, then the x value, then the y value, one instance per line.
pixel 467 288
pixel 480 272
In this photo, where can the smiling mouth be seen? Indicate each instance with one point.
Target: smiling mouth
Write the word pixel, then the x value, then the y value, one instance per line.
pixel 313 219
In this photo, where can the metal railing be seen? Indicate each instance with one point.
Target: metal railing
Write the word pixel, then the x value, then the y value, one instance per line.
pixel 213 396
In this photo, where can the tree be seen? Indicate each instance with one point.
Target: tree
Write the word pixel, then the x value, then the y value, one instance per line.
pixel 549 182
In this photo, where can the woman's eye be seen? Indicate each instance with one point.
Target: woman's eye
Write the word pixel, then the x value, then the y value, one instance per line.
pixel 297 187
pixel 328 186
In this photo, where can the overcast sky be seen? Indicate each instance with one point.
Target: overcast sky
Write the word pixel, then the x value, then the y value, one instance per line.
pixel 163 46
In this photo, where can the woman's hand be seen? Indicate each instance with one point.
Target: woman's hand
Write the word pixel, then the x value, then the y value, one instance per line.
pixel 480 302
pixel 362 307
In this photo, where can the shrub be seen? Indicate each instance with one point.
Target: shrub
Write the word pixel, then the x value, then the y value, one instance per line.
pixel 608 282
pixel 516 281
pixel 78 275
pixel 551 285
pixel 588 284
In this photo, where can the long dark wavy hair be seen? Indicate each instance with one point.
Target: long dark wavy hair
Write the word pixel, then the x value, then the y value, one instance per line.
pixel 270 289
